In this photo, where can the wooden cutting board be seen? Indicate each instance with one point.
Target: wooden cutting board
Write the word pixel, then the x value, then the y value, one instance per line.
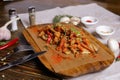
pixel 66 66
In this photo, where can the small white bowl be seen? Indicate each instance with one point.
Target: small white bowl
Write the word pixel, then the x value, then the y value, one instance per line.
pixel 104 31
pixel 89 21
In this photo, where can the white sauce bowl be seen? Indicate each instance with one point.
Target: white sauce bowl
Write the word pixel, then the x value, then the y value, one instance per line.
pixel 104 31
pixel 89 21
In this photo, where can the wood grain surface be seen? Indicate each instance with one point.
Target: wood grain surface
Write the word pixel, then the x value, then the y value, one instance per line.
pixel 77 66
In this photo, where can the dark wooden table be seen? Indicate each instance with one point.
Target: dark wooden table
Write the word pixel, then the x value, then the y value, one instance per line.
pixel 34 70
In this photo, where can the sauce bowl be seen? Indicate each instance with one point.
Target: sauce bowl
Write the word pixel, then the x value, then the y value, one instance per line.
pixel 104 31
pixel 89 21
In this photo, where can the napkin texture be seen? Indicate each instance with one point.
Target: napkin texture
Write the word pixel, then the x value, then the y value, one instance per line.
pixel 104 16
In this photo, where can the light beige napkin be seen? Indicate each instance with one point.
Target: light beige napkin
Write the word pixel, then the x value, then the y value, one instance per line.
pixel 42 17
pixel 105 18
pixel 111 73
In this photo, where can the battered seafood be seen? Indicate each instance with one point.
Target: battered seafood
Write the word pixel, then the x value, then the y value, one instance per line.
pixel 67 40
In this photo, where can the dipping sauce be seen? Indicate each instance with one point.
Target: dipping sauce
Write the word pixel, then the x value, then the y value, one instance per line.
pixel 90 21
pixel 104 31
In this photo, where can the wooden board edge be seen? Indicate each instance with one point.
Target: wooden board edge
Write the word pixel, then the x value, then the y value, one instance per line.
pixel 81 71
pixel 100 43
pixel 77 68
pixel 36 49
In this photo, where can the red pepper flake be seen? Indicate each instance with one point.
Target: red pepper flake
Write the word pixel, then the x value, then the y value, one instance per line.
pixel 77 55
pixel 93 55
pixel 88 21
pixel 34 29
pixel 49 39
pixel 57 58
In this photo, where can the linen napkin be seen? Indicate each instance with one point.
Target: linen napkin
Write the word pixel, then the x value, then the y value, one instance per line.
pixel 105 18
pixel 42 17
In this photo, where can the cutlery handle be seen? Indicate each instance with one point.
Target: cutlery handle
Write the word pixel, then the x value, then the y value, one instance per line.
pixel 22 48
pixel 18 49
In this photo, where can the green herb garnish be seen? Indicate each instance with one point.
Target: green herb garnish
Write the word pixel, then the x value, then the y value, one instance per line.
pixel 75 31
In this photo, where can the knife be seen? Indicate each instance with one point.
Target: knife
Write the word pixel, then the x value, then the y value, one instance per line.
pixel 20 60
